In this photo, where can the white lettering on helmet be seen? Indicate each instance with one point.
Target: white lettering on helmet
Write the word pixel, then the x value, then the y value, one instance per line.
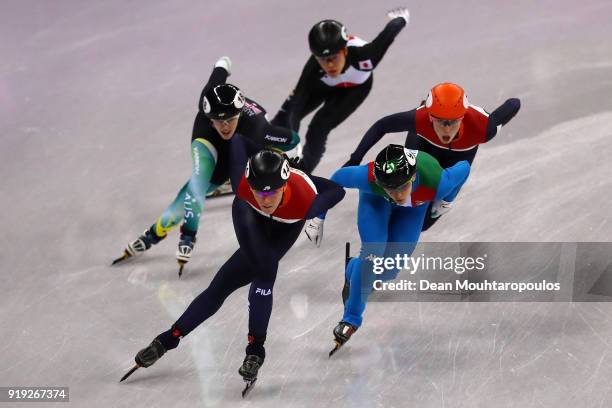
pixel 239 100
pixel 410 156
pixel 285 170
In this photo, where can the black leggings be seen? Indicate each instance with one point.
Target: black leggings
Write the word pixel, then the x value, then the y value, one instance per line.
pixel 338 105
pixel 263 242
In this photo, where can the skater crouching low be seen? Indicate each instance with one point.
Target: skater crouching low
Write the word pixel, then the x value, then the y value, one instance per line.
pixel 271 205
pixel 394 193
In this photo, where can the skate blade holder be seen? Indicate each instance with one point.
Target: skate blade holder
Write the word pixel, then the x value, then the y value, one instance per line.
pixel 248 387
pixel 136 367
pixel 337 346
pixel 122 258
pixel 181 266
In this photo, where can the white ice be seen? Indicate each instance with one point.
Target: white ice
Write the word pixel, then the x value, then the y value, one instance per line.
pixel 97 101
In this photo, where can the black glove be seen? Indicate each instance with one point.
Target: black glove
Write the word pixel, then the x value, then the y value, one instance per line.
pixel 351 162
pixel 296 163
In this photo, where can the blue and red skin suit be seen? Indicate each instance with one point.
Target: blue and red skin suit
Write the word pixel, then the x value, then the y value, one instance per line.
pixel 263 240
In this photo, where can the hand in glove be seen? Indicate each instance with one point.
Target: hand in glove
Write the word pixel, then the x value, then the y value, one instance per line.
pixel 350 163
pixel 225 63
pixel 296 150
pixel 402 12
pixel 296 163
pixel 314 231
pixel 440 207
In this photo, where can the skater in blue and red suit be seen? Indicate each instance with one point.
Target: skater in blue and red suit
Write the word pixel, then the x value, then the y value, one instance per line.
pixel 272 203
pixel 394 193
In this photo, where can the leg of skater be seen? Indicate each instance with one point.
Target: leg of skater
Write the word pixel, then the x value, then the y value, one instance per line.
pixel 204 162
pixel 336 110
pixel 186 206
pixel 373 216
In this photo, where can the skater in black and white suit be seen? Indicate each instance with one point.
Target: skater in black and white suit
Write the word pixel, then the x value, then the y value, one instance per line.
pixel 339 76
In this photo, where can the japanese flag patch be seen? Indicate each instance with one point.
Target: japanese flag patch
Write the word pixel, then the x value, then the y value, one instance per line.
pixel 366 65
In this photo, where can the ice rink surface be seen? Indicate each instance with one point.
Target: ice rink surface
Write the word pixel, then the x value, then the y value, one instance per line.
pixel 97 101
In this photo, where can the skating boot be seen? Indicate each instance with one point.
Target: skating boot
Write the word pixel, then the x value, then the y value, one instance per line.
pixel 249 369
pixel 185 248
pixel 150 354
pixel 342 333
pixel 140 245
pixel 147 356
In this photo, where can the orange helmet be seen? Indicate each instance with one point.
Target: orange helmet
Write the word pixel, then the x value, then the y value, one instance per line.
pixel 447 101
